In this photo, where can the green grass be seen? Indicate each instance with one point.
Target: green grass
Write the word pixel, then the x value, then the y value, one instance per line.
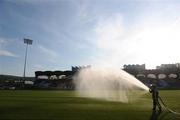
pixel 64 105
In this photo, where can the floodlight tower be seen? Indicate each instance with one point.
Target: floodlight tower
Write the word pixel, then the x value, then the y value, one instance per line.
pixel 27 42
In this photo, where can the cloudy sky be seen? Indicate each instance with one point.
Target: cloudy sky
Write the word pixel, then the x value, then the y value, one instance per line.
pixel 69 33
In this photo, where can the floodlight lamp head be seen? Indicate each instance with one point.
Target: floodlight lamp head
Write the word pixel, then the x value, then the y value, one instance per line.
pixel 28 41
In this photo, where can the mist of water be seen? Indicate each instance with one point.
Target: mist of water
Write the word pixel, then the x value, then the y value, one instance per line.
pixel 108 84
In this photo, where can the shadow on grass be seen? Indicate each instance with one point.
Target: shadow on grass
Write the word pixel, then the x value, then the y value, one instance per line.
pixel 155 114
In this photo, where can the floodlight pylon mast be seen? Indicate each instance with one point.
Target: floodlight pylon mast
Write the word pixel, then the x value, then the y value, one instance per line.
pixel 27 42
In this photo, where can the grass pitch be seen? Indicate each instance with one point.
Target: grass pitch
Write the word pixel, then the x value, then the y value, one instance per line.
pixel 64 105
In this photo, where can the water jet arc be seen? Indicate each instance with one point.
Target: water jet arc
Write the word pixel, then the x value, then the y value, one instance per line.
pixel 108 84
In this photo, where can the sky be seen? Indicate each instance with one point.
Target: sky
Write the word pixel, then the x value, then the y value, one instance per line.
pixel 69 33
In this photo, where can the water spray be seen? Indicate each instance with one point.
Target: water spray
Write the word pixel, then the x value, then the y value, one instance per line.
pixel 156 98
pixel 108 84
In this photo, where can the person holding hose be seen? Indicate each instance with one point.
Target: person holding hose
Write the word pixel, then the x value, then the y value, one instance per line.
pixel 155 96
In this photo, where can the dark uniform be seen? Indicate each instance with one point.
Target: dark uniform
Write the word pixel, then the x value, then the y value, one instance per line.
pixel 155 97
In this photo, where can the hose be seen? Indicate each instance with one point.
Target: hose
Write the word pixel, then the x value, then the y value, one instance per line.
pixel 168 109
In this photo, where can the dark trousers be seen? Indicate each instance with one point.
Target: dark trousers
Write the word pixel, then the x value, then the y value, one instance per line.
pixel 155 104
